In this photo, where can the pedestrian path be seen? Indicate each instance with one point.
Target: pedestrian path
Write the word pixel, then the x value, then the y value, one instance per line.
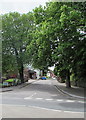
pixel 7 89
pixel 76 92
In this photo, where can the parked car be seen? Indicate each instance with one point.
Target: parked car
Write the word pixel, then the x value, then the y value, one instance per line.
pixel 43 78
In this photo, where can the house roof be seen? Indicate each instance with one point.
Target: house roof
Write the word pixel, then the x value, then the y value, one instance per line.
pixel 32 71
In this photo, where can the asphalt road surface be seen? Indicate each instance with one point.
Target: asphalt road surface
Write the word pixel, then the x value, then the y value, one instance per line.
pixel 40 99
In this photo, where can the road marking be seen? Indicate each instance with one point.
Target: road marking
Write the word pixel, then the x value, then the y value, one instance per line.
pixel 30 97
pixel 39 98
pixel 72 112
pixel 41 108
pixel 27 98
pixel 59 100
pixel 70 101
pixel 81 101
pixel 45 108
pixel 49 99
pixel 55 109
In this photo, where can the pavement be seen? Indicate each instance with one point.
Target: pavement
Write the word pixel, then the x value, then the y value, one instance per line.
pixel 37 112
pixel 75 92
pixel 18 86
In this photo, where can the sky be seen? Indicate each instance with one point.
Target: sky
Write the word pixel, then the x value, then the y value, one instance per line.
pixel 21 6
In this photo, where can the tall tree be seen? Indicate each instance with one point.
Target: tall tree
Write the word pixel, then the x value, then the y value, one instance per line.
pixel 16 30
pixel 40 46
pixel 69 37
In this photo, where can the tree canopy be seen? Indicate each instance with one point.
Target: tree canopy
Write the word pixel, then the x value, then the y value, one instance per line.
pixel 16 34
pixel 47 36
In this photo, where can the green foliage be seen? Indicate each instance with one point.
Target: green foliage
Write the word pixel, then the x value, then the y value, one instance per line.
pixel 50 35
pixel 59 39
pixel 16 34
pixel 72 36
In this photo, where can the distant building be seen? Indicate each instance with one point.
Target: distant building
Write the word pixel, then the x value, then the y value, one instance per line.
pixel 48 74
pixel 51 73
pixel 32 72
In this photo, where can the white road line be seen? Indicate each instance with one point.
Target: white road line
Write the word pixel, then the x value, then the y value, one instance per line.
pixel 72 112
pixel 30 97
pixel 39 98
pixel 81 101
pixel 49 99
pixel 59 100
pixel 41 108
pixel 27 98
pixel 45 108
pixel 55 110
pixel 70 101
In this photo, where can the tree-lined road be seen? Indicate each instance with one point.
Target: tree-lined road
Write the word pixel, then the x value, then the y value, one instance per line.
pixel 41 99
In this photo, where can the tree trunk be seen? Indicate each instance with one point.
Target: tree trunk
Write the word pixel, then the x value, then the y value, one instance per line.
pixel 43 72
pixel 68 84
pixel 21 73
pixel 19 63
